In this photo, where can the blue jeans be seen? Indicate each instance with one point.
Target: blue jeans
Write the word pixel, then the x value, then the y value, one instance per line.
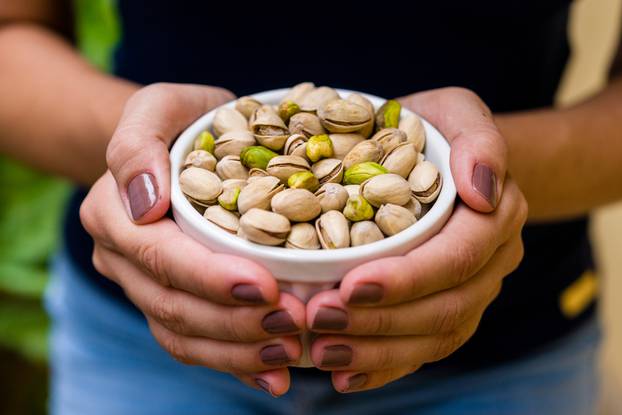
pixel 105 361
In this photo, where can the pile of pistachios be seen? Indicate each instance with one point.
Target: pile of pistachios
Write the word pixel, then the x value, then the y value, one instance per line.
pixel 316 171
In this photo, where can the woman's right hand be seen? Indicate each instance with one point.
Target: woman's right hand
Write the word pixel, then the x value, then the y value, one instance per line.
pixel 208 309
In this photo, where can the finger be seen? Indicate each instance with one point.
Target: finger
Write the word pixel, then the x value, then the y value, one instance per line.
pixel 230 357
pixel 478 151
pixel 348 381
pixel 138 151
pixel 274 382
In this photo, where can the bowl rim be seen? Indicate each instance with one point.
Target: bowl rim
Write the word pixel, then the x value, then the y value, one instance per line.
pixel 183 207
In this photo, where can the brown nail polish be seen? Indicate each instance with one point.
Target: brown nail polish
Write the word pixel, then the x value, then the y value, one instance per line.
pixel 356 381
pixel 265 386
pixel 278 322
pixel 485 183
pixel 330 318
pixel 142 194
pixel 338 355
pixel 274 355
pixel 248 293
pixel 366 294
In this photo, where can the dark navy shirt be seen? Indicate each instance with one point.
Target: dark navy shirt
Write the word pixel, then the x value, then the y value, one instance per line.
pixel 512 53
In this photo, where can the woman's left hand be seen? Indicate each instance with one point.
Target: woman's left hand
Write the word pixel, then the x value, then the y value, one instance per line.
pixel 392 315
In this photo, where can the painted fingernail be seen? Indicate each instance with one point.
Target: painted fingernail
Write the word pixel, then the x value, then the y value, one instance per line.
pixel 142 193
pixel 330 318
pixel 265 386
pixel 356 381
pixel 485 183
pixel 366 294
pixel 278 322
pixel 248 293
pixel 338 355
pixel 274 355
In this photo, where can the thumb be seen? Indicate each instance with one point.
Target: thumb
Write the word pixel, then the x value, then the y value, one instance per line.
pixel 478 151
pixel 137 154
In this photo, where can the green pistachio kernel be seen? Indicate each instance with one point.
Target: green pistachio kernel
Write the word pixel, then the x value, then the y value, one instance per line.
pixel 303 180
pixel 205 141
pixel 360 172
pixel 256 157
pixel 319 147
pixel 388 115
pixel 358 209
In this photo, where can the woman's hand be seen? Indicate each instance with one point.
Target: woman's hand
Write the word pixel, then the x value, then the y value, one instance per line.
pixel 392 315
pixel 207 309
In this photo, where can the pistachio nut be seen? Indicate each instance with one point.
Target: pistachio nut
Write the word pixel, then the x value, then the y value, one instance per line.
pixel 415 132
pixel 353 189
pixel 365 232
pixel 343 116
pixel 246 106
pixel 332 230
pixel 297 205
pixel 296 145
pixel 358 209
pixel 255 173
pixel 368 150
pixel 314 99
pixel 222 218
pixel 302 236
pixel 386 188
pixel 230 167
pixel 256 157
pixel 284 166
pixel 425 182
pixel 303 180
pixel 343 143
pixel 232 143
pixel 414 206
pixel 228 119
pixel 319 147
pixel 420 158
pixel 298 92
pixel 388 115
pixel 328 171
pixel 200 185
pixel 364 102
pixel 389 138
pixel 286 109
pixel 360 172
pixel 233 183
pixel 258 193
pixel 264 227
pixel 268 128
pixel 205 141
pixel 228 199
pixel 392 219
pixel 332 196
pixel 201 159
pixel 401 159
pixel 306 124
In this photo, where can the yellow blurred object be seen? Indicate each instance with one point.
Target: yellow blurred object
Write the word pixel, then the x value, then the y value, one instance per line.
pixel 579 295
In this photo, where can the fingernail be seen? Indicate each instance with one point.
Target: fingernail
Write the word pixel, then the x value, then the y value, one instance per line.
pixel 274 355
pixel 142 193
pixel 279 321
pixel 248 293
pixel 265 386
pixel 339 355
pixel 485 183
pixel 366 294
pixel 356 381
pixel 330 318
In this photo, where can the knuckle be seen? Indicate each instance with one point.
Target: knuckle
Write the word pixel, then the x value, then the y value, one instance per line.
pixel 446 345
pixel 465 261
pixel 174 346
pixel 381 323
pixel 165 309
pixel 384 357
pixel 87 216
pixel 233 327
pixel 450 315
pixel 98 262
pixel 150 257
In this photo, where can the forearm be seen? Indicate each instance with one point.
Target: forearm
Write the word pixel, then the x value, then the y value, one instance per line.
pixel 568 161
pixel 57 112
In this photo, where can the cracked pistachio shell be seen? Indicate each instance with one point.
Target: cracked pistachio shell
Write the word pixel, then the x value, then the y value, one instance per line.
pixel 256 157
pixel 358 209
pixel 297 205
pixel 343 116
pixel 222 218
pixel 264 227
pixel 319 147
pixel 256 173
pixel 302 236
pixel 353 189
pixel 368 150
pixel 314 99
pixel 303 180
pixel 201 185
pixel 284 166
pixel 364 102
pixel 414 206
pixel 360 172
pixel 365 232
pixel 401 159
pixel 230 167
pixel 228 119
pixel 388 115
pixel 205 141
pixel 232 143
pixel 392 219
pixel 389 138
pixel 414 130
pixel 258 193
pixel 298 92
pixel 246 106
pixel 286 109
pixel 296 145
pixel 228 199
pixel 343 143
pixel 328 171
pixel 268 128
pixel 306 124
pixel 425 182
pixel 386 188
pixel 332 196
pixel 201 159
pixel 333 230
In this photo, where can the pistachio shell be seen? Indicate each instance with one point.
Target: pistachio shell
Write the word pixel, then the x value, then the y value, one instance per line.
pixel 222 218
pixel 392 219
pixel 255 173
pixel 256 157
pixel 319 147
pixel 414 207
pixel 332 196
pixel 265 227
pixel 258 193
pixel 360 172
pixel 388 115
pixel 311 101
pixel 368 150
pixel 302 236
pixel 386 188
pixel 353 189
pixel 333 231
pixel 389 138
pixel 343 143
pixel 284 166
pixel 425 182
pixel 420 158
pixel 358 209
pixel 230 167
pixel 298 92
pixel 246 106
pixel 268 128
pixel 201 159
pixel 200 184
pixel 401 159
pixel 232 143
pixel 415 132
pixel 205 141
pixel 328 170
pixel 306 124
pixel 228 199
pixel 296 145
pixel 227 119
pixel 343 116
pixel 303 180
pixel 363 102
pixel 365 232
pixel 297 205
